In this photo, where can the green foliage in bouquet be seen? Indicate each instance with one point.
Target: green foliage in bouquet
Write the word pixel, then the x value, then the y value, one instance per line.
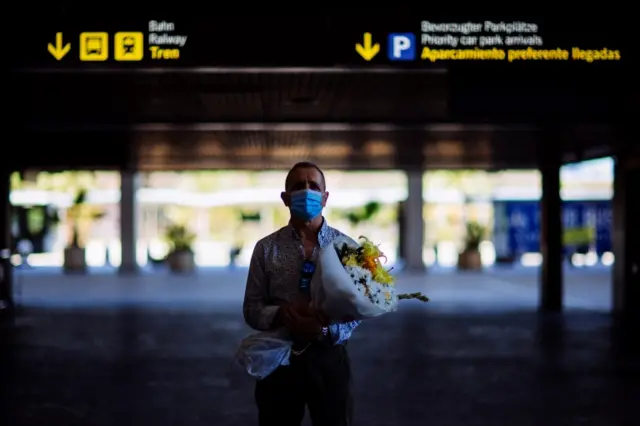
pixel 418 296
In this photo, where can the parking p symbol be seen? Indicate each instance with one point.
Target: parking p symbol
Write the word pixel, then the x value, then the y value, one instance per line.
pixel 401 47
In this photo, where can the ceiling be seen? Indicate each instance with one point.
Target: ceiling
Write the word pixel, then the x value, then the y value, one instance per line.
pixel 157 119
pixel 182 97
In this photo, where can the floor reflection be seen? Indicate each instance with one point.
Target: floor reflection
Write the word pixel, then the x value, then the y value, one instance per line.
pixel 171 366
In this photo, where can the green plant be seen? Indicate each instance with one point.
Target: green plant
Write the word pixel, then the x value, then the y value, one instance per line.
pixel 250 217
pixel 36 217
pixel 53 216
pixel 179 238
pixel 16 181
pixel 80 214
pixel 364 213
pixel 475 234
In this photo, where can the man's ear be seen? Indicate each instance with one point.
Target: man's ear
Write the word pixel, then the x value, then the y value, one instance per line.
pixel 286 198
pixel 325 197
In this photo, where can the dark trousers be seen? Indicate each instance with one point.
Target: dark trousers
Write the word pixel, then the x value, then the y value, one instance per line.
pixel 319 379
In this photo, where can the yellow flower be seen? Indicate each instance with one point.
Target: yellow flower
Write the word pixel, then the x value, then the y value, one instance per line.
pixel 371 255
pixel 370 250
pixel 350 260
pixel 383 276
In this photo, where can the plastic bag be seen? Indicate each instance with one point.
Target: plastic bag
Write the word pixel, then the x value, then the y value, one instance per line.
pixel 333 289
pixel 261 353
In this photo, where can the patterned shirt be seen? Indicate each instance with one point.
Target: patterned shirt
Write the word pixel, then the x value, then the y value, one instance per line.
pixel 274 275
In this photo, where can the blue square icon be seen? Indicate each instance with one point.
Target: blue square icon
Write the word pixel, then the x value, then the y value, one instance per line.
pixel 401 47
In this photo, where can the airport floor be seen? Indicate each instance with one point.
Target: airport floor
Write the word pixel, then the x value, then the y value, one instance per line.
pixel 157 349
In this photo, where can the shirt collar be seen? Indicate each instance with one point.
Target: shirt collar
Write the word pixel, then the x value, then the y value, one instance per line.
pixel 323 234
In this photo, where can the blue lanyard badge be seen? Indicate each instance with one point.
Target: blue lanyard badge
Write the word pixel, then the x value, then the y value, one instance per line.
pixel 308 268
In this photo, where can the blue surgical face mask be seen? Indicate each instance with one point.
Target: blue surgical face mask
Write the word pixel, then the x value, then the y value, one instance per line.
pixel 306 204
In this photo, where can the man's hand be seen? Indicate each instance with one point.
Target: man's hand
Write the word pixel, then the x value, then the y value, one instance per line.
pixel 301 320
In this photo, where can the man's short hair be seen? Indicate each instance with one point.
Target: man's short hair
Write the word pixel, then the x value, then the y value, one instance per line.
pixel 303 165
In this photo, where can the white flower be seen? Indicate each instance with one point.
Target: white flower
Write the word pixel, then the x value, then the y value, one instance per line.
pixel 361 288
pixel 359 275
pixel 378 297
pixel 389 295
pixel 379 294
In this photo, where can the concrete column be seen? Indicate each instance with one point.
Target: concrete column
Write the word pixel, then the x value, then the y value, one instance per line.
pixel 6 268
pixel 412 231
pixel 128 222
pixel 551 286
pixel 626 237
pixel 402 206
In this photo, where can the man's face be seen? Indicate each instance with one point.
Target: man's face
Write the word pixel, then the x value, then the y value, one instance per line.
pixel 305 178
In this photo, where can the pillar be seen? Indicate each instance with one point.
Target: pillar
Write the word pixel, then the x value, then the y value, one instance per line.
pixel 402 206
pixel 6 268
pixel 551 286
pixel 626 237
pixel 128 221
pixel 412 231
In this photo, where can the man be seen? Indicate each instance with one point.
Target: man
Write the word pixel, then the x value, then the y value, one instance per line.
pixel 318 375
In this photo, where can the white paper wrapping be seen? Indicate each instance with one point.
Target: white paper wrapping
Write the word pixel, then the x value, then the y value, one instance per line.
pixel 334 292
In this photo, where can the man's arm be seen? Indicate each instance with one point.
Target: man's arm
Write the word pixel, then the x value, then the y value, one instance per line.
pixel 258 314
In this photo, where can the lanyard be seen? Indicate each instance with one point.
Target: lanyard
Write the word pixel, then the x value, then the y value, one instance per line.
pixel 308 269
pixel 304 285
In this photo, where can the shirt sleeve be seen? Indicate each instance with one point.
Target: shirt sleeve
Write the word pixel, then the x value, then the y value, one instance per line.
pixel 257 312
pixel 340 333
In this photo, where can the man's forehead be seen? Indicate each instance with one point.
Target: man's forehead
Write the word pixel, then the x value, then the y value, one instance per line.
pixel 304 174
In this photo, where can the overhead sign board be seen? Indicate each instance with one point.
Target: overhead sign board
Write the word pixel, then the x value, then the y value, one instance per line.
pixel 312 41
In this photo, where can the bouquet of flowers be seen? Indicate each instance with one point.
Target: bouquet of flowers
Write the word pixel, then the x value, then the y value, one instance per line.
pixel 350 283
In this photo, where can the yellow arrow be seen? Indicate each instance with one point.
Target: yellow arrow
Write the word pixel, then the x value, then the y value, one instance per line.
pixel 367 49
pixel 59 51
